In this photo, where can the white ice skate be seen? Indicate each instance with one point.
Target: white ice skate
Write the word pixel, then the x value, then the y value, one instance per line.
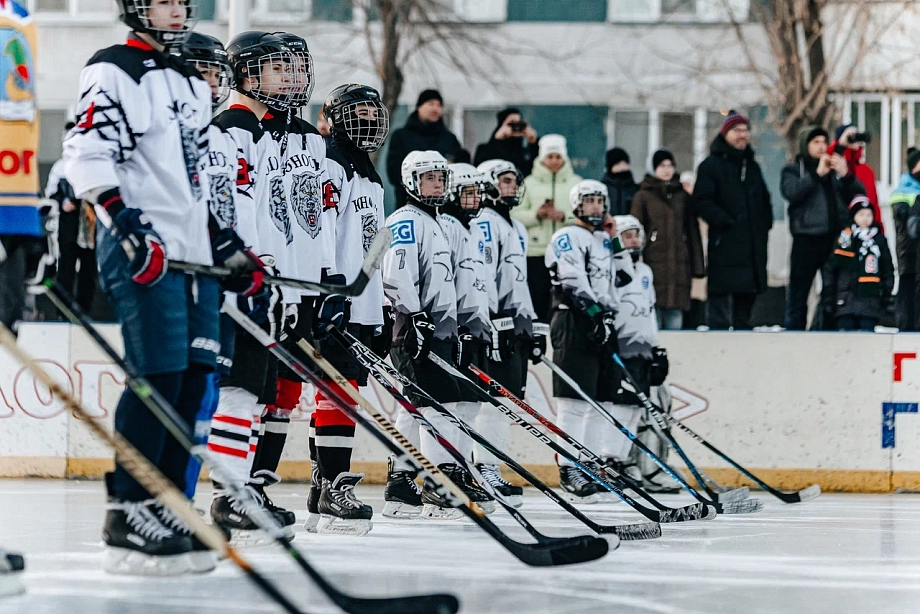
pixel 11 567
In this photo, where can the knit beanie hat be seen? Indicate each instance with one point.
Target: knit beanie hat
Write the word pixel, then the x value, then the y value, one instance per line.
pixel 841 129
pixel 807 134
pixel 913 157
pixel 660 156
pixel 504 113
pixel 427 95
pixel 859 203
pixel 734 118
pixel 615 156
pixel 552 143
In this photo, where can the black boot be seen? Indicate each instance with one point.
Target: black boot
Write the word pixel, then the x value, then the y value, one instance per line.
pixel 402 495
pixel 341 513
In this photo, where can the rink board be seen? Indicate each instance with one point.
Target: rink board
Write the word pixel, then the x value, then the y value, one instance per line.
pixel 795 408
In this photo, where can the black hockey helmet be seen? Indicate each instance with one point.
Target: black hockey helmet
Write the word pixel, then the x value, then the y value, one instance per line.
pixel 207 54
pixel 248 53
pixel 136 15
pixel 303 68
pixel 344 110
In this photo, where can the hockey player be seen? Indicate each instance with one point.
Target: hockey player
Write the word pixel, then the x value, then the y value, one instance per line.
pixel 581 264
pixel 510 306
pixel 262 78
pixel 359 123
pixel 418 279
pixel 142 123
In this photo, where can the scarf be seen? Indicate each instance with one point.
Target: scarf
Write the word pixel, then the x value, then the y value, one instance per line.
pixel 359 159
pixel 858 250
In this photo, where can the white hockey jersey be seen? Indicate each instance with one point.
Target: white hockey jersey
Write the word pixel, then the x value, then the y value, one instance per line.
pixel 142 126
pixel 359 217
pixel 505 257
pixel 220 168
pixel 637 327
pixel 466 254
pixel 584 267
pixel 417 272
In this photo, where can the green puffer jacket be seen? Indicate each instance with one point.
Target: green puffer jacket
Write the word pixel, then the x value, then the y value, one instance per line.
pixel 543 185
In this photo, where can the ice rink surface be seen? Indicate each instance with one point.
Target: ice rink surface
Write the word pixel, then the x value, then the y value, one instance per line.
pixel 840 554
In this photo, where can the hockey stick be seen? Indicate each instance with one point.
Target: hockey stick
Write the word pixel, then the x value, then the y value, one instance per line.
pixel 647 530
pixel 812 492
pixel 730 504
pixel 614 484
pixel 375 254
pixel 154 401
pixel 564 551
pixel 147 475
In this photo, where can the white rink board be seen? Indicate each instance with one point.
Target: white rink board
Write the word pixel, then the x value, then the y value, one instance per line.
pixel 775 401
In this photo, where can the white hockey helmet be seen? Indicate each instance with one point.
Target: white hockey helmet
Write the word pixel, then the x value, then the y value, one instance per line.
pixel 416 164
pixel 494 170
pixel 629 222
pixel 462 176
pixel 582 189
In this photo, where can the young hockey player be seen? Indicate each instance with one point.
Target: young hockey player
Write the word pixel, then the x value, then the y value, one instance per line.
pixel 418 279
pixel 511 310
pixel 359 123
pixel 262 71
pixel 142 124
pixel 583 331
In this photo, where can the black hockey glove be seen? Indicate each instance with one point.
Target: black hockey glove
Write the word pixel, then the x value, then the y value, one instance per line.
pixel 145 249
pixel 383 340
pixel 502 339
pixel 417 340
pixel 538 342
pixel 659 367
pixel 246 270
pixel 257 306
pixel 604 333
pixel 330 309
pixel 463 354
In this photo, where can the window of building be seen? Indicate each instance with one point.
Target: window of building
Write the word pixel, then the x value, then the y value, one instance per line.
pixel 630 132
pixel 557 10
pixel 706 11
pixel 332 10
pixel 677 131
pixel 72 8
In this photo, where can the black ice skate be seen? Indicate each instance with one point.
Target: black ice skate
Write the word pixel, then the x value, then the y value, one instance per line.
pixel 316 489
pixel 340 511
pixel 576 486
pixel 402 495
pixel 437 508
pixel 229 514
pixel 493 475
pixel 11 567
pixel 259 481
pixel 137 543
pixel 201 558
pixel 628 470
pixel 659 482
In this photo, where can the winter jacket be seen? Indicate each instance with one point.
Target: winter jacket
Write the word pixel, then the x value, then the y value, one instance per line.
pixel 518 151
pixel 902 203
pixel 732 197
pixel 864 173
pixel 808 194
pixel 859 277
pixel 419 136
pixel 674 249
pixel 542 185
pixel 621 188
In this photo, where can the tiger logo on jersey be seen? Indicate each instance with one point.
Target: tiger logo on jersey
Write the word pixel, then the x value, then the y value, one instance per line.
pixel 279 210
pixel 368 229
pixel 306 201
pixel 222 199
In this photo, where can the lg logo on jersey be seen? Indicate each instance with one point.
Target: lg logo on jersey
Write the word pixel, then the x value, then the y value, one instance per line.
pixel 12 163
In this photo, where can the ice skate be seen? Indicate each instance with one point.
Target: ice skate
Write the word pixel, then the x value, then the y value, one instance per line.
pixel 201 558
pixel 11 568
pixel 437 508
pixel 286 518
pixel 660 482
pixel 316 489
pixel 403 496
pixel 493 475
pixel 576 486
pixel 341 513
pixel 229 514
pixel 627 469
pixel 476 492
pixel 138 543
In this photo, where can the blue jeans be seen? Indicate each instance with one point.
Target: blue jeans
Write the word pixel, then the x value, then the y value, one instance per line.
pixel 669 319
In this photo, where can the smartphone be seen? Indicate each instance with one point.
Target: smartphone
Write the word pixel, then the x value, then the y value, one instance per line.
pixel 518 126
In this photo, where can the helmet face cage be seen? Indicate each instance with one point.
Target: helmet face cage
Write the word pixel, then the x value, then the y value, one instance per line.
pixel 506 196
pixel 302 76
pixel 224 77
pixel 137 14
pixel 416 190
pixel 628 222
pixel 596 220
pixel 271 79
pixel 368 134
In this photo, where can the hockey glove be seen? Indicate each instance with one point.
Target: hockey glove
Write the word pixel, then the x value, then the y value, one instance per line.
pixel 502 339
pixel 145 249
pixel 463 356
pixel 289 321
pixel 659 367
pixel 417 341
pixel 538 342
pixel 383 339
pixel 246 270
pixel 604 333
pixel 258 306
pixel 330 309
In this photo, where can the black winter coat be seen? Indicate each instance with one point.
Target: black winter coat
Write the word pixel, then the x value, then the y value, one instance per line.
pixel 418 136
pixel 807 193
pixel 621 188
pixel 515 150
pixel 841 286
pixel 732 197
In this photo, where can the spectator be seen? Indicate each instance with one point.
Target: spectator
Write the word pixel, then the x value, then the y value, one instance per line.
pixel 860 275
pixel 687 181
pixel 818 187
pixel 424 131
pixel 732 197
pixel 513 140
pixel 621 187
pixel 544 210
pixel 902 202
pixel 853 150
pixel 674 249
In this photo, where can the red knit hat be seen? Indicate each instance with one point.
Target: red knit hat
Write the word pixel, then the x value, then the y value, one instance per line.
pixel 734 118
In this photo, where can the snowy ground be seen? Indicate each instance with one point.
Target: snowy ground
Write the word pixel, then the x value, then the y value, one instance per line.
pixel 839 554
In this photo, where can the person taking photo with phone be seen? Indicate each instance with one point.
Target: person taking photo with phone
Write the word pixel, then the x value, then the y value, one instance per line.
pixel 513 140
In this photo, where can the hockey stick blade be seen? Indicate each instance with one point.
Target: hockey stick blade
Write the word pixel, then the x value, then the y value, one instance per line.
pixel 731 496
pixel 748 506
pixel 809 494
pixel 697 511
